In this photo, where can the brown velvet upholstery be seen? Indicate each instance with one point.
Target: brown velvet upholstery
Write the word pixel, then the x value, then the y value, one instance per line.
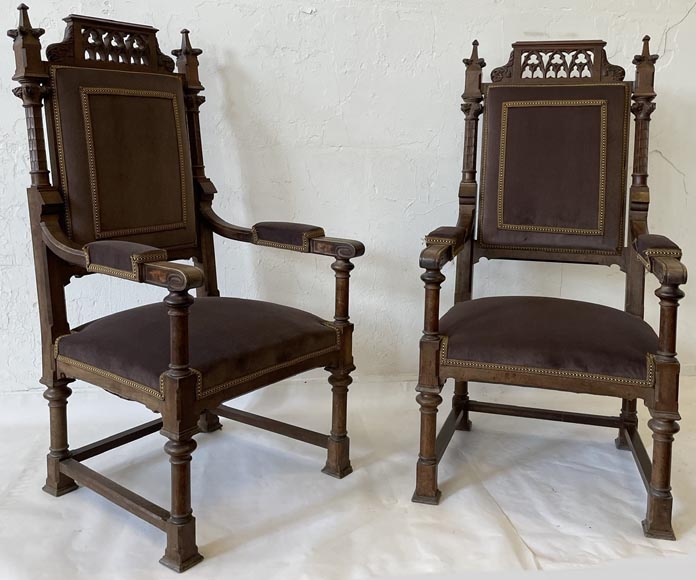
pixel 124 161
pixel 230 339
pixel 656 245
pixel 448 235
pixel 554 167
pixel 120 258
pixel 548 333
pixel 286 235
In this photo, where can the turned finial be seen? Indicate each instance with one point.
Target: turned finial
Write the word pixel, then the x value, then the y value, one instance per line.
pixel 645 71
pixel 474 59
pixel 187 61
pixel 27 46
pixel 472 79
pixel 646 46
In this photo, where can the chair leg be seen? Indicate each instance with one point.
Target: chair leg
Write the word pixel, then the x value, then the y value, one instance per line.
pixel 460 400
pixel 57 394
pixel 658 519
pixel 182 552
pixel 209 422
pixel 338 456
pixel 629 416
pixel 426 468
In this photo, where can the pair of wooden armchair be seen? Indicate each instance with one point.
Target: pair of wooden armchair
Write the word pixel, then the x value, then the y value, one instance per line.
pixel 129 198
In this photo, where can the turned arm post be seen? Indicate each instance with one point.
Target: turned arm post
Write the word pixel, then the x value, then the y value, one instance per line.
pixel 429 386
pixel 179 421
pixel 338 451
pixel 342 268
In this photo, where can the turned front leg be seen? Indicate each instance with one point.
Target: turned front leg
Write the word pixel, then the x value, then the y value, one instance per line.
pixel 426 468
pixel 338 454
pixel 665 414
pixel 179 424
pixel 428 388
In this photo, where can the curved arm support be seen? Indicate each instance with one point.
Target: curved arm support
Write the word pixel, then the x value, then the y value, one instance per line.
pixel 336 247
pixel 170 275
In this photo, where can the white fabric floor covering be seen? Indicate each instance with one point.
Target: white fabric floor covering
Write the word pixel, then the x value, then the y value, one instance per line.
pixel 518 494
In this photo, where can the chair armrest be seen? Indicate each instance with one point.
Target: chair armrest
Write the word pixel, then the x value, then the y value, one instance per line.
pixel 443 244
pixel 286 236
pixel 447 235
pixel 127 260
pixel 661 256
pixel 120 259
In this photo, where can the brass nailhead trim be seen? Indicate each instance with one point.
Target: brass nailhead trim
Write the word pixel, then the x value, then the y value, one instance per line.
pixel 553 249
pixel 304 247
pixel 134 274
pixel 657 253
pixel 599 230
pixel 647 382
pixel 84 95
pixel 216 389
pixel 200 392
pixel 446 241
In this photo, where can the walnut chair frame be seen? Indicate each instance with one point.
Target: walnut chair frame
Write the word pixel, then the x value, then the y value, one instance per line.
pixel 548 66
pixel 103 45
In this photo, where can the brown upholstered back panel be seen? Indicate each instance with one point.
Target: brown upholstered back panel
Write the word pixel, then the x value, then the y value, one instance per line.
pixel 123 156
pixel 554 167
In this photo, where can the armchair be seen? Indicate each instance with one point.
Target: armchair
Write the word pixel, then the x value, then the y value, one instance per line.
pixel 553 188
pixel 111 207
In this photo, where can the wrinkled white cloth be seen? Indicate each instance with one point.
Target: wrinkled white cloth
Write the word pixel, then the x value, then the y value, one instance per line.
pixel 517 494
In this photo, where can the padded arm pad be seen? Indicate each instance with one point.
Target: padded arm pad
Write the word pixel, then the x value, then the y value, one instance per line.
pixel 449 236
pixel 285 235
pixel 653 245
pixel 119 258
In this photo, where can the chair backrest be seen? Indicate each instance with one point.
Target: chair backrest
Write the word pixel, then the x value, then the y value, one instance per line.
pixel 554 153
pixel 118 138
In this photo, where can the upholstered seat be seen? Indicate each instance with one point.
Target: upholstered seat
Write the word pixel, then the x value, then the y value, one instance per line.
pixel 231 340
pixel 550 336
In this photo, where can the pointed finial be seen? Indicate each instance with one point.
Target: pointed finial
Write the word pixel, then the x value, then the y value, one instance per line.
pixel 474 58
pixel 27 47
pixel 186 48
pixel 474 50
pixel 187 61
pixel 645 55
pixel 645 71
pixel 24 26
pixel 24 15
pixel 646 46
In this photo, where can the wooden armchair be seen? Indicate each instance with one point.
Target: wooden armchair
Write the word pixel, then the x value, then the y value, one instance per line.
pixel 553 188
pixel 128 197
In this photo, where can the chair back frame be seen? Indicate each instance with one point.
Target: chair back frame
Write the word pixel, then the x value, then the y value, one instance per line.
pixel 552 66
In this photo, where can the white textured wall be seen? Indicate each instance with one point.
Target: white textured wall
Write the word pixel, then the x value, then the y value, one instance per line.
pixel 345 114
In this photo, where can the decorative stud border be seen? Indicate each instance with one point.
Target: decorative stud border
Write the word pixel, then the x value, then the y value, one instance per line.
pixel 555 249
pixel 57 127
pixel 85 92
pixel 647 382
pixel 601 209
pixel 657 253
pixel 136 259
pixel 304 247
pixel 201 393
